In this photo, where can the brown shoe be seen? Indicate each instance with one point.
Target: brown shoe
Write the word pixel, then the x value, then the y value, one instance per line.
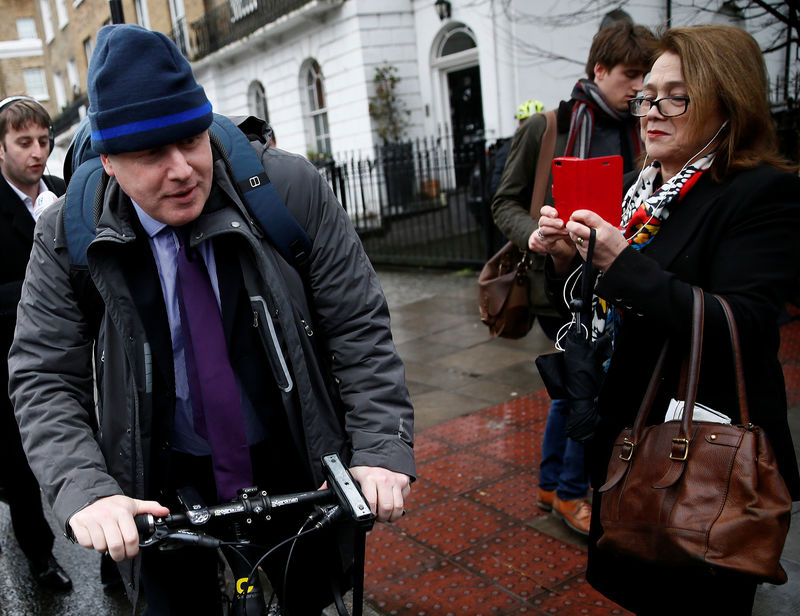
pixel 575 513
pixel 544 499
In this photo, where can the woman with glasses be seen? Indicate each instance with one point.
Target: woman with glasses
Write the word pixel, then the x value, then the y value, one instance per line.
pixel 714 206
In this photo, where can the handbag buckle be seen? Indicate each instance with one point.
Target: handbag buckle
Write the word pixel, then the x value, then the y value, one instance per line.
pixel 685 444
pixel 627 448
pixel 524 262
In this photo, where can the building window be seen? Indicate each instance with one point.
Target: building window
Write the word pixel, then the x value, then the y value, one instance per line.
pixel 180 31
pixel 142 15
pixel 26 28
pixel 317 109
pixel 47 20
pixel 88 47
pixel 63 16
pixel 257 101
pixel 35 83
pixel 74 79
pixel 456 41
pixel 61 95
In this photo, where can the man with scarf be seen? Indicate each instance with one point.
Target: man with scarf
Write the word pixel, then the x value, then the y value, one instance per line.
pixel 594 122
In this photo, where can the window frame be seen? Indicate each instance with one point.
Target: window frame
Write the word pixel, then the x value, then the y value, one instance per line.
pixel 36 83
pixel 317 107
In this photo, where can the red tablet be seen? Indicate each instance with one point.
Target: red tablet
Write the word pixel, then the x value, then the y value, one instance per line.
pixel 588 184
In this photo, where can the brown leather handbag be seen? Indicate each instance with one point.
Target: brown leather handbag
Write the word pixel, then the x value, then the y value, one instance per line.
pixel 697 493
pixel 505 291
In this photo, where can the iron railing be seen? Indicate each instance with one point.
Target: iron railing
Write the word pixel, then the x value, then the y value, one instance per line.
pixel 235 19
pixel 70 115
pixel 418 203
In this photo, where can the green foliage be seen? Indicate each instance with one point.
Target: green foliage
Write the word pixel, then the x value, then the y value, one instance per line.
pixel 386 109
pixel 318 157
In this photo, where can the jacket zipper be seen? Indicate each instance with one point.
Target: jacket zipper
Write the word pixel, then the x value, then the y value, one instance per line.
pixel 287 384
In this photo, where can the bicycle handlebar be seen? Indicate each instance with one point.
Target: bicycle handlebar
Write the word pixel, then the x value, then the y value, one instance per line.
pixel 250 503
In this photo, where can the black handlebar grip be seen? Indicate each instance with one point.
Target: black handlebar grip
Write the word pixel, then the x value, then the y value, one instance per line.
pixel 205 541
pixel 145 525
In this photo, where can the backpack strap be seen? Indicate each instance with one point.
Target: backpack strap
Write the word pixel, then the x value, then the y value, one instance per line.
pixel 261 198
pixel 80 216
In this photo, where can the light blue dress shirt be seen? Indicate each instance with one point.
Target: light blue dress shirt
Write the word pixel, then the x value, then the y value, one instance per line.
pixel 164 245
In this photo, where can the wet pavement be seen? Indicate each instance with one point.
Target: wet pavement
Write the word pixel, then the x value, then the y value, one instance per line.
pixel 21 596
pixel 473 541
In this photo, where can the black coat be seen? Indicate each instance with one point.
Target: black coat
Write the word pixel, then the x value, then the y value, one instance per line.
pixel 737 239
pixel 16 240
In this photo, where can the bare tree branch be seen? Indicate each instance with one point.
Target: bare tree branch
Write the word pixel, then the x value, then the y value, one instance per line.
pixel 769 8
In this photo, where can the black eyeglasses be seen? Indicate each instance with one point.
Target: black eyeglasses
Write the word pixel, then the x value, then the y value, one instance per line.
pixel 668 106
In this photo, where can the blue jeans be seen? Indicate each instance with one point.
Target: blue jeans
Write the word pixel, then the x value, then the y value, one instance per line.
pixel 562 468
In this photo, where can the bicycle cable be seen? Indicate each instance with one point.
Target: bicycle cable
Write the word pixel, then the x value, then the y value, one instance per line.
pixel 327 518
pixel 302 529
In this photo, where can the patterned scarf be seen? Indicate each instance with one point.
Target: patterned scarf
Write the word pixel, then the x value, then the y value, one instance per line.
pixel 644 209
pixel 590 101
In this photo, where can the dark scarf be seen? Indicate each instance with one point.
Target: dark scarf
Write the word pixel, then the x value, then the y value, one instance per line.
pixel 591 104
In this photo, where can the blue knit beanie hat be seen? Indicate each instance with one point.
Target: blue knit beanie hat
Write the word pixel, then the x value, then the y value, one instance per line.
pixel 142 93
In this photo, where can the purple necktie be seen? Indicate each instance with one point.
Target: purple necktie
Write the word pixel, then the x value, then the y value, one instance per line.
pixel 216 405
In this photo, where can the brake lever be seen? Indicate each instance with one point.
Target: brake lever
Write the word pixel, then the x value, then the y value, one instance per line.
pixel 186 536
pixel 154 528
pixel 163 535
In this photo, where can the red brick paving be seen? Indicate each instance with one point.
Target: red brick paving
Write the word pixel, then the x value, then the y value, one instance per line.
pixel 465 546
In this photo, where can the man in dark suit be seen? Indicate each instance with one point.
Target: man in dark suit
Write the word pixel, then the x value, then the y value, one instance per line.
pixel 25 144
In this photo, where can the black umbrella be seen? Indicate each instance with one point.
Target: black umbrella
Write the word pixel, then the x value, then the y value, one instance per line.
pixel 577 373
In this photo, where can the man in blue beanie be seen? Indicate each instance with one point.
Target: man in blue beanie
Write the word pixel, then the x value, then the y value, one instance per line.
pixel 199 356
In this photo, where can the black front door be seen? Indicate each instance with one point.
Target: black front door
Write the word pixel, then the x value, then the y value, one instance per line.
pixel 466 118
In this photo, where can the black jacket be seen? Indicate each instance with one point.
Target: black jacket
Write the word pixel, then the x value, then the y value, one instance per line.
pixel 736 239
pixel 16 240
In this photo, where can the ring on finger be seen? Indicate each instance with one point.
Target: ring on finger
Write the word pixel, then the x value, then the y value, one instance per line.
pixel 540 234
pixel 579 241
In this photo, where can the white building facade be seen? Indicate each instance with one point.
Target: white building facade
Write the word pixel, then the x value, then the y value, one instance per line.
pixel 311 70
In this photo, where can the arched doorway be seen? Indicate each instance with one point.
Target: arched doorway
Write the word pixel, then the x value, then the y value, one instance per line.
pixel 458 77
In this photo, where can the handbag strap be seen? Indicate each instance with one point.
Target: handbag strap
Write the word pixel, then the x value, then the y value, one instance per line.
pixel 692 378
pixel 689 385
pixel 650 394
pixel 695 354
pixel 679 451
pixel 543 163
pixel 741 392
